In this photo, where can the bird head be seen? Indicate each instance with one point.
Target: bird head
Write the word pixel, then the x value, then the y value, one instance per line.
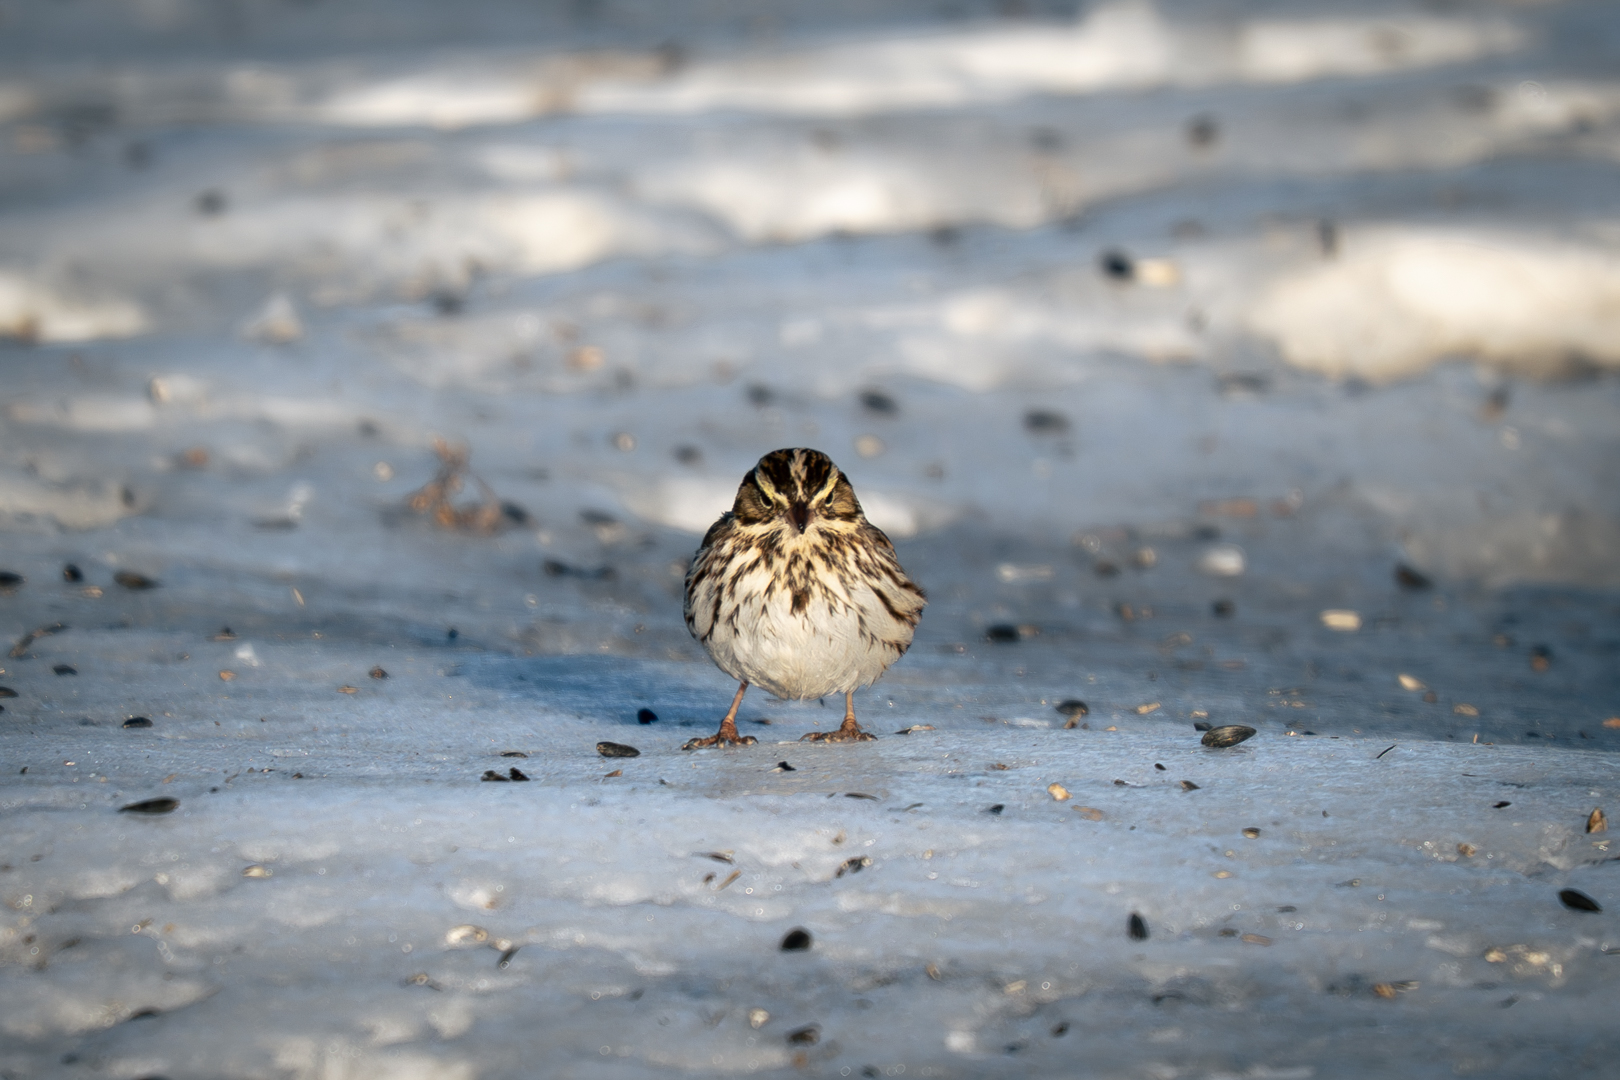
pixel 796 487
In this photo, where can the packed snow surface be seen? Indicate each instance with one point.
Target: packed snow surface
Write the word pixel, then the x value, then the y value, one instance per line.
pixel 1210 364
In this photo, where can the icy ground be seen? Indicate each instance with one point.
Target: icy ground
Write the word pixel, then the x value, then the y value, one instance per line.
pixel 1158 336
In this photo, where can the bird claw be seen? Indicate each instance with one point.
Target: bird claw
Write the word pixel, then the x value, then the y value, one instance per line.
pixel 841 735
pixel 720 740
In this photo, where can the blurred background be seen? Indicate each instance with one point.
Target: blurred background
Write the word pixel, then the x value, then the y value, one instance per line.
pixel 1151 331
pixel 370 370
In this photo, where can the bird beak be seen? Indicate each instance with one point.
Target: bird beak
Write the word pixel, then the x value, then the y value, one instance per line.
pixel 800 513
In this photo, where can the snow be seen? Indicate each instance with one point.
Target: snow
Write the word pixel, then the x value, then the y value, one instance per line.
pixel 1157 335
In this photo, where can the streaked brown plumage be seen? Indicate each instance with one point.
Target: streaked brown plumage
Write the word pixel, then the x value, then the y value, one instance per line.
pixel 796 592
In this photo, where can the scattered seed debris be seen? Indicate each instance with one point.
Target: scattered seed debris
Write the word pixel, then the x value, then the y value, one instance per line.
pixel 7 692
pixel 257 870
pixel 1467 851
pixel 421 978
pixel 513 753
pixel 506 957
pixel 517 774
pixel 915 728
pixel 718 856
pixel 1188 785
pixel 1073 708
pixel 1576 900
pixel 1228 735
pixel 1137 928
pixel 225 634
pixel 995 809
pixel 1390 989
pixel 1255 939
pixel 377 673
pixel 860 795
pixel 72 574
pixel 620 772
pixel 1001 633
pixel 1597 821
pixel 129 579
pixel 138 722
pixel 21 648
pixel 1386 750
pixel 1149 707
pixel 1501 805
pixel 491 775
pixel 1251 833
pixel 613 749
pixel 1342 620
pixel 226 676
pixel 348 690
pixel 758 1018
pixel 932 971
pixel 808 1035
pixel 854 865
pixel 796 940
pixel 1201 725
pixel 1090 813
pixel 161 805
pixel 733 876
pixel 782 766
pixel 646 716
pixel 1058 792
pixel 466 934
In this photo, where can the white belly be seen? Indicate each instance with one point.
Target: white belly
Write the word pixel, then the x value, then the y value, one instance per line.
pixel 834 645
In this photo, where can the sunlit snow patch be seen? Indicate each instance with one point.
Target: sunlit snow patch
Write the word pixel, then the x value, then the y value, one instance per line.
pixel 1398 299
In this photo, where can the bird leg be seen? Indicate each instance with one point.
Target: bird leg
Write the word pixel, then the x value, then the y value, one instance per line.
pixel 727 735
pixel 848 731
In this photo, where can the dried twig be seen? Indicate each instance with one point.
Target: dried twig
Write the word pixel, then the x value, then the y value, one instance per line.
pixel 488 515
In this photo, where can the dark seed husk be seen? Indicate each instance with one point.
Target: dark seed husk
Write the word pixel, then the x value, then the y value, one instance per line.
pixel 6 691
pixel 1201 726
pixel 9 579
pixel 996 808
pixel 1073 707
pixel 138 721
pixel 161 805
pixel 495 777
pixel 854 866
pixel 517 774
pixel 129 579
pixel 378 673
pixel 1137 927
pixel 796 940
pixel 1228 735
pixel 1001 633
pixel 72 574
pixel 808 1035
pixel 860 795
pixel 64 669
pixel 1410 579
pixel 613 749
pixel 1576 900
pixel 1188 785
pixel 646 716
pixel 513 753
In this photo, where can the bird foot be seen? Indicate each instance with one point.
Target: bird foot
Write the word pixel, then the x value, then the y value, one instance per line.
pixel 720 739
pixel 843 734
